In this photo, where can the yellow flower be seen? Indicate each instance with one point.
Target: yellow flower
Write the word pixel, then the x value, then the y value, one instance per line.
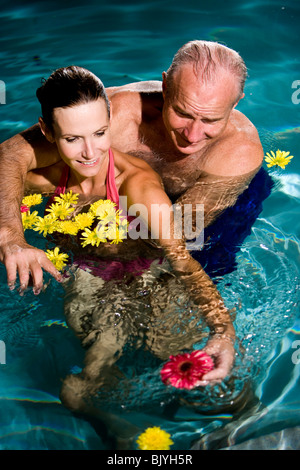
pixel 154 439
pixel 117 233
pixel 84 220
pixel 45 225
pixel 101 206
pixel 32 200
pixel 117 238
pixel 280 159
pixel 67 226
pixel 58 259
pixel 106 211
pixel 112 231
pixel 28 219
pixel 60 210
pixel 112 225
pixel 68 197
pixel 101 231
pixel 90 237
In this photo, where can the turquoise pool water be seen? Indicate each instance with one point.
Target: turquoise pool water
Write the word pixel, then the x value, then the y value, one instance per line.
pixel 136 41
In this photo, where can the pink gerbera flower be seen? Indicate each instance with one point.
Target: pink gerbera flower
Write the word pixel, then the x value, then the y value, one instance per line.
pixel 186 370
pixel 24 208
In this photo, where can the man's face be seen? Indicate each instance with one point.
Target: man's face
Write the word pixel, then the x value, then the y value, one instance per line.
pixel 196 113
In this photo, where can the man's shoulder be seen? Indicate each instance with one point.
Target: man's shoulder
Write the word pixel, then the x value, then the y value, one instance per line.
pixel 131 107
pixel 134 96
pixel 150 86
pixel 124 100
pixel 239 152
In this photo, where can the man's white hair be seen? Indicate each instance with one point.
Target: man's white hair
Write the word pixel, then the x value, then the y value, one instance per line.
pixel 207 57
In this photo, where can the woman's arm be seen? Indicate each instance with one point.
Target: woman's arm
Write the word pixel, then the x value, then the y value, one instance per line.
pixel 146 189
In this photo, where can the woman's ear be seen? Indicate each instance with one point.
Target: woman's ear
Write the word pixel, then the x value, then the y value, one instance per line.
pixel 46 131
pixel 110 111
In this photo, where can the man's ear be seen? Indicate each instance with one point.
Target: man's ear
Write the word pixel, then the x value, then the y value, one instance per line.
pixel 164 84
pixel 46 131
pixel 240 98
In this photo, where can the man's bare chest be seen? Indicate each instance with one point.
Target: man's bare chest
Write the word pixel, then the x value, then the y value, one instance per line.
pixel 178 174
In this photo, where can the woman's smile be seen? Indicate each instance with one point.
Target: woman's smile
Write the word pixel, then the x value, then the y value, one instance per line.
pixel 89 162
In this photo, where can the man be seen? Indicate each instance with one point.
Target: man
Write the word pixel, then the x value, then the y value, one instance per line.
pixel 187 129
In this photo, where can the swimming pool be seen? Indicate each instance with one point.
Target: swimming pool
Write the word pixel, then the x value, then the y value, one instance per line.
pixel 123 43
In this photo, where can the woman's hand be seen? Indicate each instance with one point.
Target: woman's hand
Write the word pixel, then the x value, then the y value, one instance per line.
pixel 221 349
pixel 27 262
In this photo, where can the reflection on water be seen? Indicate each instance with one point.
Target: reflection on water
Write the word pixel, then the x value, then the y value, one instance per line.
pixel 155 313
pixel 263 291
pixel 120 42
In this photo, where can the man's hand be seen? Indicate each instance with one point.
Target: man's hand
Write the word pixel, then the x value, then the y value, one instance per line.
pixel 221 349
pixel 26 261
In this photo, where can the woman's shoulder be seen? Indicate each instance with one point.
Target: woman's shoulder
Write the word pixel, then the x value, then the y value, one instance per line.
pixel 133 173
pixel 125 161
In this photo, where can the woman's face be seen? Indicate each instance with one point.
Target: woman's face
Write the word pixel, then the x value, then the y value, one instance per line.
pixel 82 136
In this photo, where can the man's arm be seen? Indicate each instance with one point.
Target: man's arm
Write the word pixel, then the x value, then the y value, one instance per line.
pixel 228 173
pixel 18 155
pixel 216 194
pixel 202 290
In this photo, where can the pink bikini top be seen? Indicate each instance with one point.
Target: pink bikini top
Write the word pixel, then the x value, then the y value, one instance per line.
pixel 111 188
pixel 106 269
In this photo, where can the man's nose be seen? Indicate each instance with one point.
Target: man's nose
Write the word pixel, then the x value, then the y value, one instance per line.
pixel 194 132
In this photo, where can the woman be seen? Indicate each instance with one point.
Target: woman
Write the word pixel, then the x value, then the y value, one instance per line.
pixel 76 118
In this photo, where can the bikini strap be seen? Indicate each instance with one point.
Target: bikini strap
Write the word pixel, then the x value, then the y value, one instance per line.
pixel 111 188
pixel 62 185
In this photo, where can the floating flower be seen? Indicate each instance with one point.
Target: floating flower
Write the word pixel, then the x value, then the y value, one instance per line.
pixel 60 220
pixel 117 233
pixel 107 213
pixel 58 259
pixel 101 206
pixel 24 208
pixel 186 370
pixel 113 234
pixel 84 220
pixel 67 226
pixel 101 231
pixel 279 159
pixel 60 210
pixel 69 197
pixel 90 237
pixel 28 219
pixel 154 438
pixel 32 200
pixel 45 225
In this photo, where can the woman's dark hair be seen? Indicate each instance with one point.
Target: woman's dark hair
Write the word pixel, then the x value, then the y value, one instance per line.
pixel 67 87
